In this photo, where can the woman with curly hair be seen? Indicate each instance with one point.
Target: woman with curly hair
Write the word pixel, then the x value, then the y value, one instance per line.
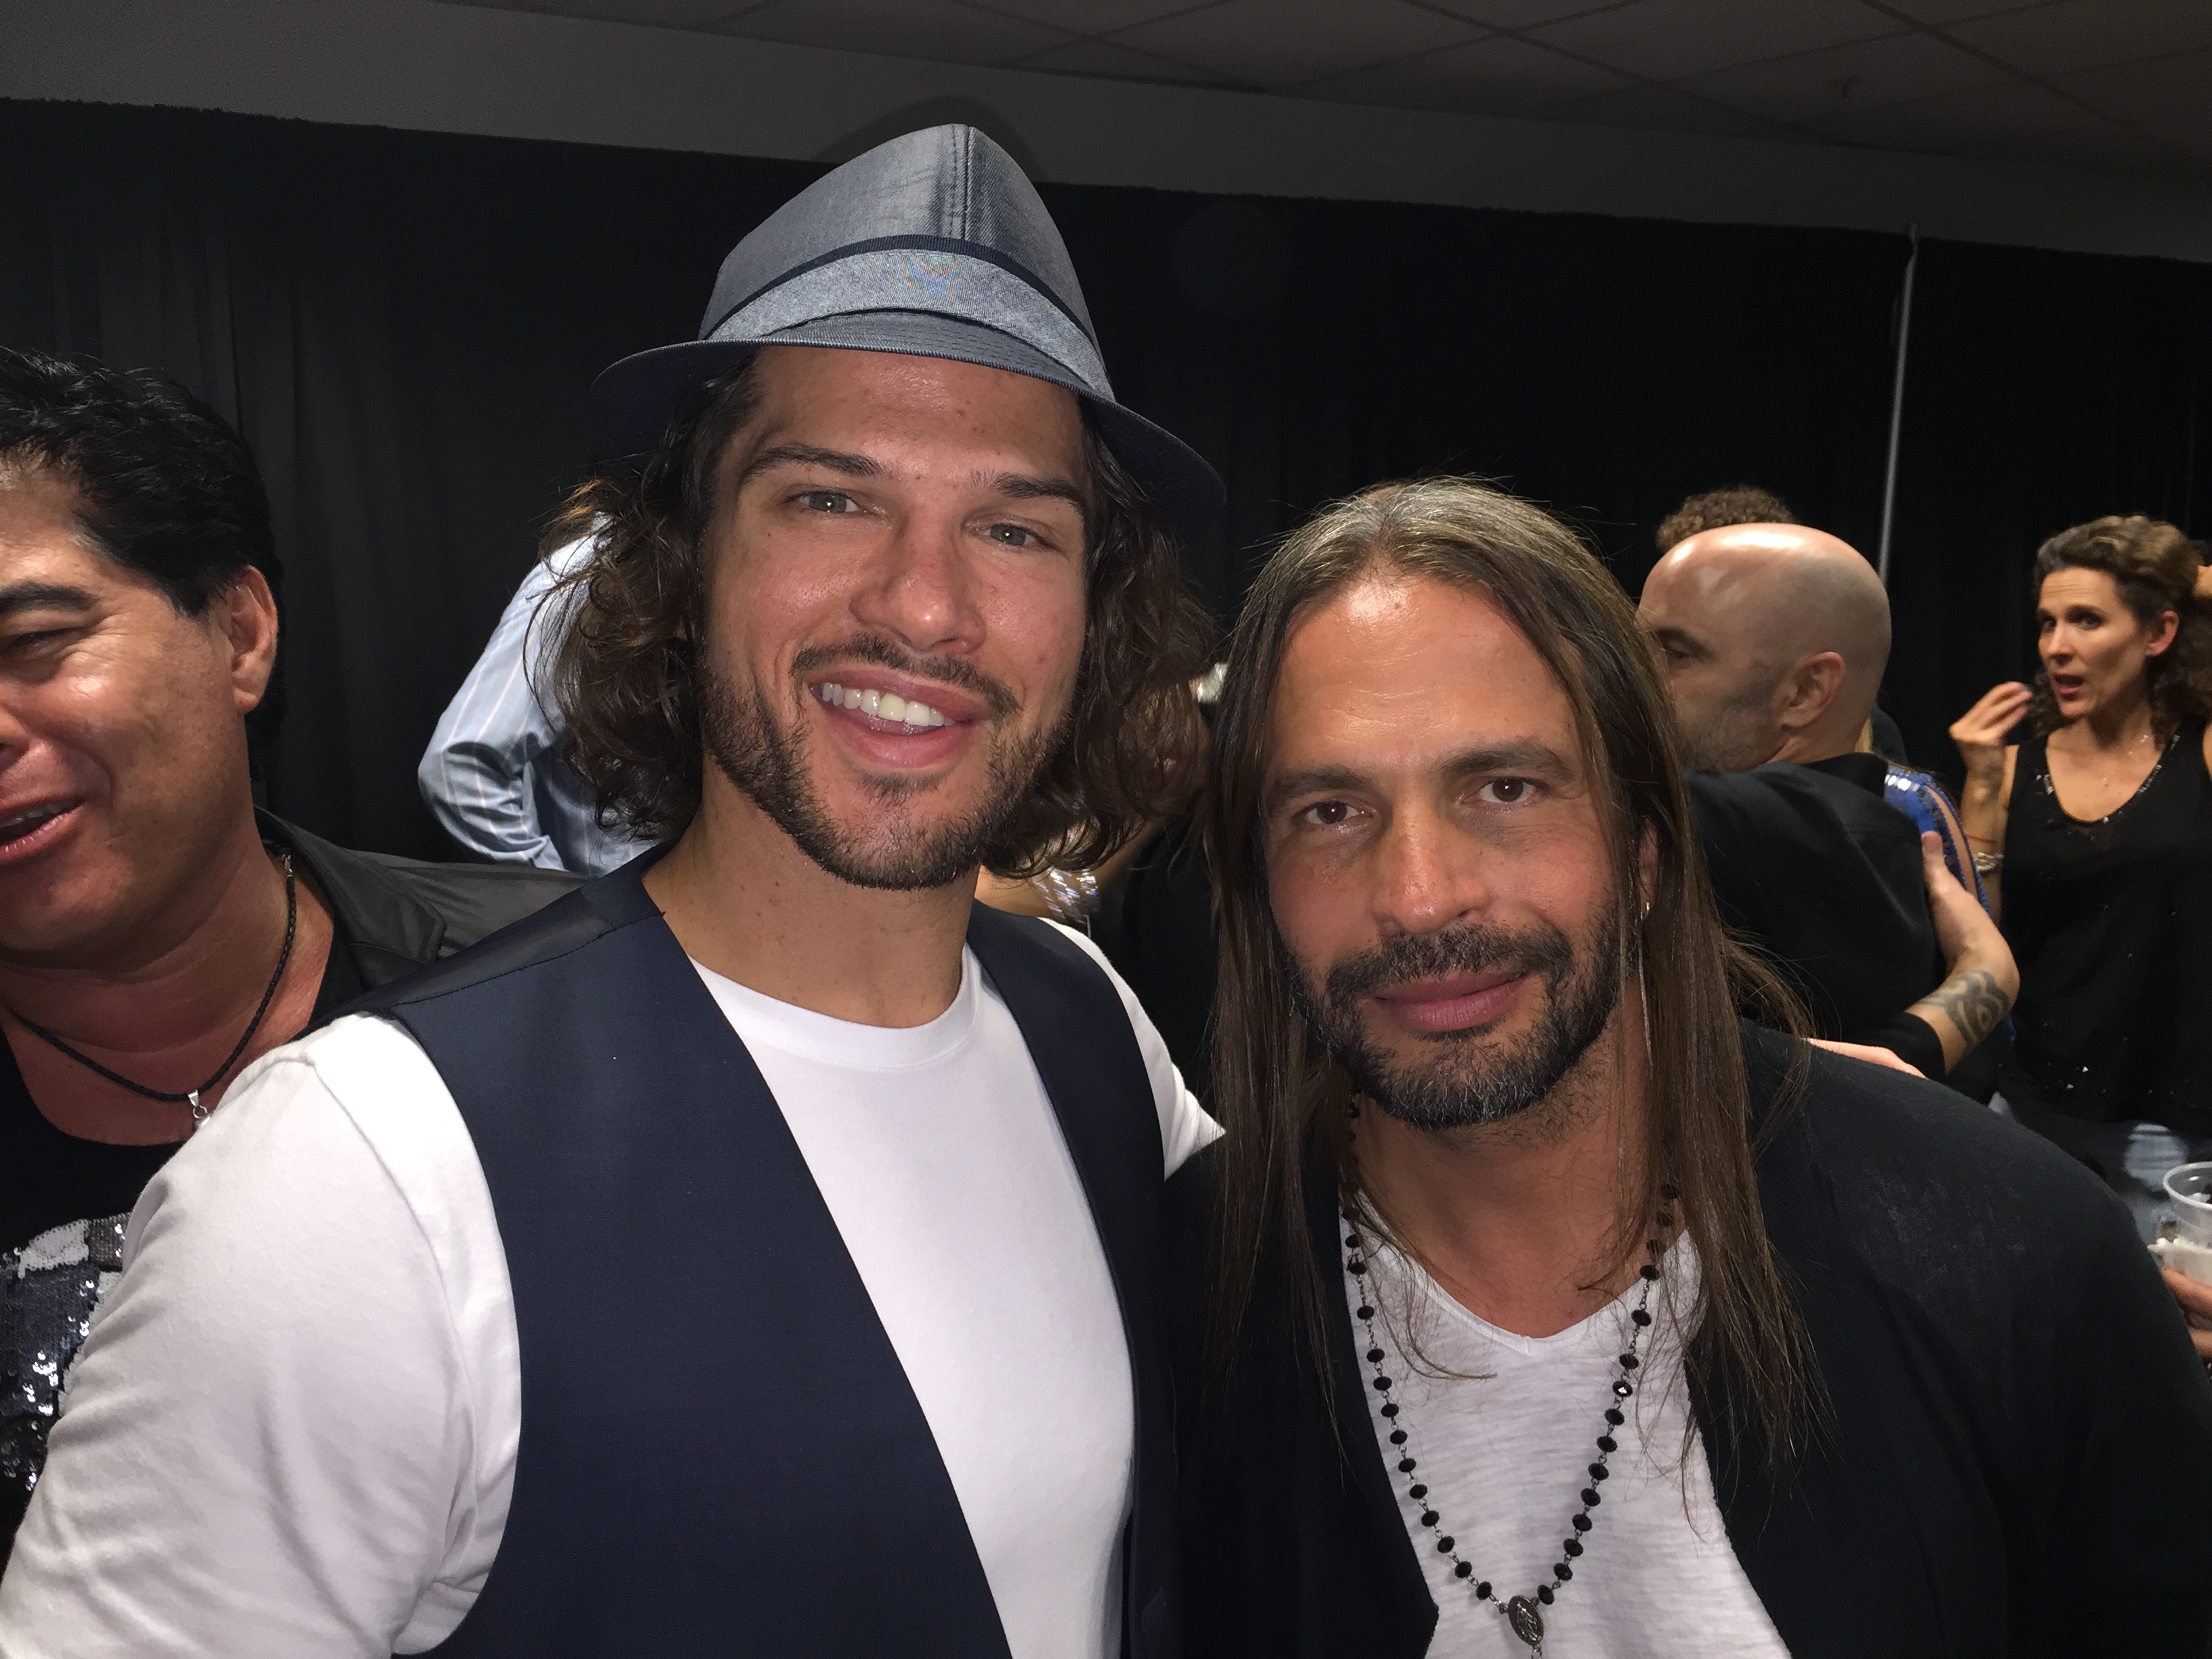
pixel 2094 836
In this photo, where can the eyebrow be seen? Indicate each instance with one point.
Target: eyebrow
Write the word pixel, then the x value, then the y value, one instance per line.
pixel 1022 486
pixel 1677 638
pixel 42 596
pixel 1524 756
pixel 1017 486
pixel 831 460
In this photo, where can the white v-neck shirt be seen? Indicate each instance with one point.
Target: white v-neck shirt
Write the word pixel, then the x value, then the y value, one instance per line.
pixel 292 1432
pixel 1504 1428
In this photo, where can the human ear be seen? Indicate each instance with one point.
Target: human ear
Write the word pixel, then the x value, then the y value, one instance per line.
pixel 1812 685
pixel 1646 867
pixel 246 612
pixel 2161 634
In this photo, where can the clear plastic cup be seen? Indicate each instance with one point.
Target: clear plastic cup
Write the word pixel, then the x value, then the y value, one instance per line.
pixel 2188 1190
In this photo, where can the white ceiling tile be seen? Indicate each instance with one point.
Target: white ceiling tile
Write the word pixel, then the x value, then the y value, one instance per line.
pixel 1950 11
pixel 2164 99
pixel 2013 109
pixel 1668 39
pixel 1282 43
pixel 1091 16
pixel 942 30
pixel 653 14
pixel 1523 14
pixel 1863 74
pixel 2086 34
pixel 1116 61
pixel 1661 109
pixel 1852 69
pixel 1497 77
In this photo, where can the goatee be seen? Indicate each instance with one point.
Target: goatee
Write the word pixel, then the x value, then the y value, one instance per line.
pixel 766 760
pixel 1463 1086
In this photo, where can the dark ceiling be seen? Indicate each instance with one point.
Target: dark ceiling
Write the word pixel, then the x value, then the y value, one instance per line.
pixel 2110 84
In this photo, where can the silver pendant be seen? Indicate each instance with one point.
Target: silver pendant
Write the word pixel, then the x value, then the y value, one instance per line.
pixel 199 1112
pixel 1527 1623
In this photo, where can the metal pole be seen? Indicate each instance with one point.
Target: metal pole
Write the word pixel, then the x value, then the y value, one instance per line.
pixel 1897 404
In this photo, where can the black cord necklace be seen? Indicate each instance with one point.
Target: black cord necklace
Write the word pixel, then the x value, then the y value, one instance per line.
pixel 191 1096
pixel 1523 1614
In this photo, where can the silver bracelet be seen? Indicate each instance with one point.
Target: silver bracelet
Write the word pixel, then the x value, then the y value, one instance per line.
pixel 1070 895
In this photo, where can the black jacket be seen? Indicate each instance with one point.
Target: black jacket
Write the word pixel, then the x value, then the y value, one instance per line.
pixel 2017 1462
pixel 1824 874
pixel 394 915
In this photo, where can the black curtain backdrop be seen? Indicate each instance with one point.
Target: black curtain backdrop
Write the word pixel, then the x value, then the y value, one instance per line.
pixel 404 325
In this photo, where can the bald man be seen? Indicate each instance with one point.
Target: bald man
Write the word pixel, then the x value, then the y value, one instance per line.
pixel 1772 638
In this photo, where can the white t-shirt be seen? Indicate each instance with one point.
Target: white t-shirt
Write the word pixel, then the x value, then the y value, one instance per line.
pixel 1503 1429
pixel 292 1432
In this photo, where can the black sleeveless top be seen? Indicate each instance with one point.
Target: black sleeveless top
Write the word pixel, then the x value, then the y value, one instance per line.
pixel 2112 923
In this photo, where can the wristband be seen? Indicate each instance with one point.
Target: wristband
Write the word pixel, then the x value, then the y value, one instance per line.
pixel 1070 895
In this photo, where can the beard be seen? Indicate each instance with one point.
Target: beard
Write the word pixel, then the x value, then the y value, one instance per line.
pixel 897 849
pixel 1459 1086
pixel 1735 735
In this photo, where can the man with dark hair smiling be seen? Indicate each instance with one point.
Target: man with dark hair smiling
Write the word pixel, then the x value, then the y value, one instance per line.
pixel 156 933
pixel 757 1252
pixel 1554 1311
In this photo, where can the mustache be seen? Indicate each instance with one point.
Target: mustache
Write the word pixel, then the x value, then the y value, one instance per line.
pixel 1469 948
pixel 874 648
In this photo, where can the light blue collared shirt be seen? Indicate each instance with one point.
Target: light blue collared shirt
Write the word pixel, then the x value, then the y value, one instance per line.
pixel 493 773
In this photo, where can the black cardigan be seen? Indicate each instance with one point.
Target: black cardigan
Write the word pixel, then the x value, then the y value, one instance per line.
pixel 2017 1459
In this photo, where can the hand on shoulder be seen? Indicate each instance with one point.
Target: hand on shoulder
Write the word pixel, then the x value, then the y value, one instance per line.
pixel 1868 1054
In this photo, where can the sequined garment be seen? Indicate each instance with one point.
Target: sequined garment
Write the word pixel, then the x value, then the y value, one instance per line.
pixel 49 1290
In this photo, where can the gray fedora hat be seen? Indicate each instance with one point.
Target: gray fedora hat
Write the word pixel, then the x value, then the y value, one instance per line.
pixel 934 244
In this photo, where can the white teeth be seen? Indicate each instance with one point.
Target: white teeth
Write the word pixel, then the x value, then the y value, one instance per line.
pixel 884 705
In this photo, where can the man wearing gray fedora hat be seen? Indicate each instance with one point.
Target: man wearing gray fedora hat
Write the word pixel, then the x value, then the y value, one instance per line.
pixel 755 1253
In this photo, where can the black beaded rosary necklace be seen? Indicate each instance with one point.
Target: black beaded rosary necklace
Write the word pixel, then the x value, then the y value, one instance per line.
pixel 1523 1614
pixel 191 1096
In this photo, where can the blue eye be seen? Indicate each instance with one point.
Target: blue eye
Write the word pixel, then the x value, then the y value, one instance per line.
pixel 827 501
pixel 1012 535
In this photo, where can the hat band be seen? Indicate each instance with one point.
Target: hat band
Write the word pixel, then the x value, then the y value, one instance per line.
pixel 929 280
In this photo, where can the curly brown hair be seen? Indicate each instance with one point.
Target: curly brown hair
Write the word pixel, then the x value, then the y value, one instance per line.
pixel 1712 510
pixel 624 677
pixel 2154 567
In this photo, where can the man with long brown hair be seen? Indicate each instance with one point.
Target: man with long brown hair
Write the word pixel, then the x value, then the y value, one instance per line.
pixel 757 1253
pixel 1554 1310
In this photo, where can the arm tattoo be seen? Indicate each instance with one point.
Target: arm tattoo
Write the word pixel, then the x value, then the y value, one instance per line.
pixel 1970 1001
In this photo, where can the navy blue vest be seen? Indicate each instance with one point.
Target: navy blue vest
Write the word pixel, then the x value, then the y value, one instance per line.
pixel 720 1453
